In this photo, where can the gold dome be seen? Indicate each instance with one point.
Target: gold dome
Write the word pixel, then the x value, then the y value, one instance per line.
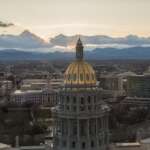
pixel 80 72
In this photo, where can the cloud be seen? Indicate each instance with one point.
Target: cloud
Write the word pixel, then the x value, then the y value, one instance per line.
pixel 5 25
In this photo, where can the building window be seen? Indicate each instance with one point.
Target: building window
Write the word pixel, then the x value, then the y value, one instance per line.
pixel 82 108
pixel 83 145
pixel 105 139
pixel 48 99
pixel 94 99
pixel 74 127
pixel 92 143
pixel 68 99
pixel 89 108
pixel 62 97
pixel 82 128
pixel 64 144
pixel 82 100
pixel 74 77
pixel 67 107
pixel 74 99
pixel 93 77
pixel 100 142
pixel 74 131
pixel 68 76
pixel 73 144
pixel 62 107
pixel 89 99
pixel 81 77
pixel 74 108
pixel 87 77
pixel 99 124
pixel 65 77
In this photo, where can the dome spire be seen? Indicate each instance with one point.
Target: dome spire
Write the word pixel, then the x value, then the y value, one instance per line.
pixel 79 50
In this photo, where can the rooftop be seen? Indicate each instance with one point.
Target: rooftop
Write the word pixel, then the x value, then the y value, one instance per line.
pixel 17 92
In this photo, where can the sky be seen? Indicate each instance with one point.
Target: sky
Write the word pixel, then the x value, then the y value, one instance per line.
pixel 90 17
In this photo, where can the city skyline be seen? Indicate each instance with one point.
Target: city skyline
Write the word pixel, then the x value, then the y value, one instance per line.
pixel 92 17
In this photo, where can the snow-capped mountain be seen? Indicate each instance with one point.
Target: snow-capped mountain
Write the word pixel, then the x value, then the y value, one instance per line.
pixel 28 41
pixel 101 41
pixel 25 40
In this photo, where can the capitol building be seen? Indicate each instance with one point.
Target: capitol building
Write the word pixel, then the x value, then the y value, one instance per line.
pixel 81 116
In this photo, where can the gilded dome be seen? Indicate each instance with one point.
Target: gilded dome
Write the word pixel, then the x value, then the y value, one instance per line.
pixel 80 72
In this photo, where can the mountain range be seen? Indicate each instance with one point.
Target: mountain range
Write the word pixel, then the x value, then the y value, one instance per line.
pixel 25 40
pixel 28 41
pixel 28 46
pixel 132 40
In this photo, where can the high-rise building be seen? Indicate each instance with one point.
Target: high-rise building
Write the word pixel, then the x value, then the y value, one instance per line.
pixel 138 86
pixel 81 117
